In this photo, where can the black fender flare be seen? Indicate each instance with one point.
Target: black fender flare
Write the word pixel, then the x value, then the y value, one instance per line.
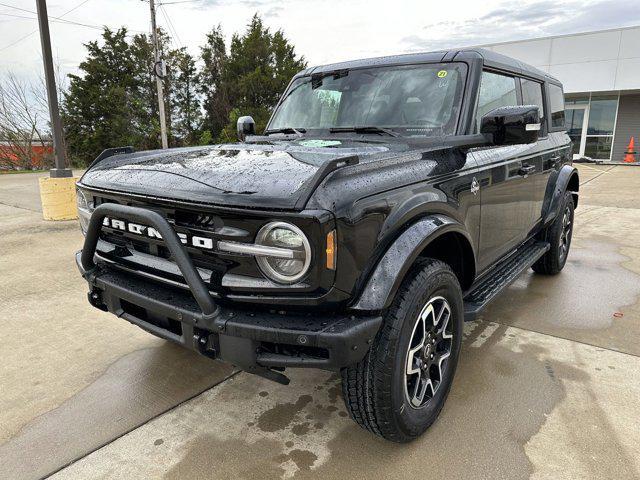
pixel 386 277
pixel 562 182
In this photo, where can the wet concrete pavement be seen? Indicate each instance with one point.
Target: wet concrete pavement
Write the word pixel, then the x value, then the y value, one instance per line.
pixel 523 404
pixel 72 378
pixel 548 385
pixel 596 298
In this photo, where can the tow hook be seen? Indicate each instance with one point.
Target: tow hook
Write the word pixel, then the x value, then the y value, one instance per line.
pixel 204 345
pixel 95 299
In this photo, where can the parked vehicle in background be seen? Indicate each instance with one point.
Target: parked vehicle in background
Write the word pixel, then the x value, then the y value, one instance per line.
pixel 387 201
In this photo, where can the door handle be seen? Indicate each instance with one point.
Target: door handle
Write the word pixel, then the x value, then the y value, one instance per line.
pixel 526 170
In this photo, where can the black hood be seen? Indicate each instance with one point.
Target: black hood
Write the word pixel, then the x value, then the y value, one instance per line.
pixel 246 175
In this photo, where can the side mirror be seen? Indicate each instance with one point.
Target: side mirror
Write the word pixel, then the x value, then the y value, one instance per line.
pixel 512 125
pixel 246 126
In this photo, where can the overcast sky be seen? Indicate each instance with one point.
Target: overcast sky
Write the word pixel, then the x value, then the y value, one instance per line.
pixel 323 31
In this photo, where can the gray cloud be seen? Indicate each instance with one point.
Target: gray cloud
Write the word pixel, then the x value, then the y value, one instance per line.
pixel 519 20
pixel 272 12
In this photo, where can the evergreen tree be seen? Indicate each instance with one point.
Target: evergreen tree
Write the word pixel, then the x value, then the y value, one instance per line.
pixel 215 101
pixel 113 101
pixel 259 67
pixel 182 88
pixel 106 106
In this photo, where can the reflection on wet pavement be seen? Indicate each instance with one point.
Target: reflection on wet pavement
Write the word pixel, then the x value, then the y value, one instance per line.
pixel 512 389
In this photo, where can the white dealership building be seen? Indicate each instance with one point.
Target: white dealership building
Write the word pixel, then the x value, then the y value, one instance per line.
pixel 601 76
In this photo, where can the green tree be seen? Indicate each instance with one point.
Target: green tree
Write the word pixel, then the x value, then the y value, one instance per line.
pixel 108 105
pixel 259 67
pixel 184 103
pixel 113 101
pixel 215 99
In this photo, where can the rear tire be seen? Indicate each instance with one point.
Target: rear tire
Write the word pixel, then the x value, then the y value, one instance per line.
pixel 558 234
pixel 399 388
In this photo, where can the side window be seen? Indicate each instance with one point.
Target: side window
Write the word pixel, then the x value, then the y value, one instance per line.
pixel 556 105
pixel 495 91
pixel 532 95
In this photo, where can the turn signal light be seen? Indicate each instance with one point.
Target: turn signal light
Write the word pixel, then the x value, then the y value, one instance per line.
pixel 331 250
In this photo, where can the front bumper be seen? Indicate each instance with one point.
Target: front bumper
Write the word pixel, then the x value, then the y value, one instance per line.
pixel 251 340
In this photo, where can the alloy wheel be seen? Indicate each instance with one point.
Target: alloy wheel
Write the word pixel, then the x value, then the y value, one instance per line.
pixel 429 348
pixel 565 235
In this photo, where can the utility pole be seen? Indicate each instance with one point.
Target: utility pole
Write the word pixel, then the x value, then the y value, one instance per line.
pixel 158 64
pixel 60 170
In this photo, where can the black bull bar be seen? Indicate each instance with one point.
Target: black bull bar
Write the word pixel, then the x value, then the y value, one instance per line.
pixel 227 333
pixel 170 238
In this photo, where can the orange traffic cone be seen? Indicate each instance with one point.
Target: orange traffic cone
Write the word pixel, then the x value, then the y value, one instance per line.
pixel 629 157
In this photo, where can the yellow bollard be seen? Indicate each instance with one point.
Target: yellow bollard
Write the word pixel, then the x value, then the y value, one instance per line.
pixel 58 197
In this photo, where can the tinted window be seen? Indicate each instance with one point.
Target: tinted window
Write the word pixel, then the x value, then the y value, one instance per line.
pixel 532 95
pixel 495 91
pixel 556 104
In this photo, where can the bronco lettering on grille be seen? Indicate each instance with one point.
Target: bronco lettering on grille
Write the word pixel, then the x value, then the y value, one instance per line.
pixel 204 243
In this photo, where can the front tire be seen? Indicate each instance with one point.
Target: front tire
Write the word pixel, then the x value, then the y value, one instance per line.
pixel 399 388
pixel 558 234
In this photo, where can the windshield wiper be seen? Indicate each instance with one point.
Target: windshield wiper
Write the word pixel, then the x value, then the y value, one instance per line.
pixel 364 129
pixel 297 131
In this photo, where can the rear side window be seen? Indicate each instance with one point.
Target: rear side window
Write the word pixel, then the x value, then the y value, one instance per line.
pixel 532 95
pixel 556 105
pixel 495 91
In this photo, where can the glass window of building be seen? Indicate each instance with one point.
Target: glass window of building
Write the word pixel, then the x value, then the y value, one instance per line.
pixel 576 100
pixel 598 148
pixel 575 119
pixel 600 127
pixel 590 122
pixel 602 115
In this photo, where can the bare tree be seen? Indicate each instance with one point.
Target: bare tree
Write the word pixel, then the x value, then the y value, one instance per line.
pixel 23 123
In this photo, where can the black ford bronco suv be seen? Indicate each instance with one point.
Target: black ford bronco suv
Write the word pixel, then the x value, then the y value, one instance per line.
pixel 387 201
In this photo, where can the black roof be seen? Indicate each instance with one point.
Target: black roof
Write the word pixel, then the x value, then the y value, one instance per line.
pixel 488 57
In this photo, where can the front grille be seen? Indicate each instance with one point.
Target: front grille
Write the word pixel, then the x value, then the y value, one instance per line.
pixel 202 224
pixel 206 221
pixel 148 257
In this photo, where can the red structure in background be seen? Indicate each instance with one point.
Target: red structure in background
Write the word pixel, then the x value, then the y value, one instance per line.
pixel 40 156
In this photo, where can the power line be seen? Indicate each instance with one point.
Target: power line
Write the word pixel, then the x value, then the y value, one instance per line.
pixel 50 16
pixel 36 30
pixel 18 41
pixel 35 13
pixel 74 8
pixel 170 26
pixel 57 20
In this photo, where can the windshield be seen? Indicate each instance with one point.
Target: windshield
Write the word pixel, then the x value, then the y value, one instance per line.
pixel 415 100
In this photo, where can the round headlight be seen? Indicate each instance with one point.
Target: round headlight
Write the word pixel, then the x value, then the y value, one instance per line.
pixel 294 262
pixel 81 200
pixel 84 210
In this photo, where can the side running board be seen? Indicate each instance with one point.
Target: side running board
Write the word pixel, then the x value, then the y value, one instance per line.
pixel 501 276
